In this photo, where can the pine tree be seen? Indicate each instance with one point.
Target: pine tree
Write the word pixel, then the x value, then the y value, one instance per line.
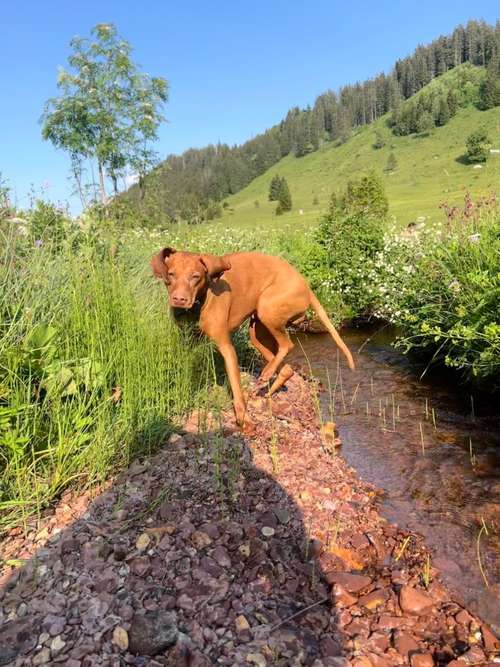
pixel 392 163
pixel 274 188
pixel 489 91
pixel 285 198
pixel 379 139
pixel 443 114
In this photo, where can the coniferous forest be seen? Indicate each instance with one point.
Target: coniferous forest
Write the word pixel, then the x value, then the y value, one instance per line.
pixel 188 186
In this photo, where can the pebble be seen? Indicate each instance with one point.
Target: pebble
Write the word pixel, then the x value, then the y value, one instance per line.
pixel 267 531
pixel 415 602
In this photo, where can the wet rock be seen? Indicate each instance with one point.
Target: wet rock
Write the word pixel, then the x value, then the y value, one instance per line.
pixel 152 632
pixel 415 602
pixel 57 644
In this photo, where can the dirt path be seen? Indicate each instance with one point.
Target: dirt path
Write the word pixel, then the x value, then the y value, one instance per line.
pixel 223 550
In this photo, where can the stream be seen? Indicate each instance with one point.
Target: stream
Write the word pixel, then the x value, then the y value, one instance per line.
pixel 431 447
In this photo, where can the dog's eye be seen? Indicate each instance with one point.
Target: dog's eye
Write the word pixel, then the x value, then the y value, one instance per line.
pixel 171 274
pixel 195 276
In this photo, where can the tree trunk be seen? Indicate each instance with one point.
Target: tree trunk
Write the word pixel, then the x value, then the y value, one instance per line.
pixel 104 196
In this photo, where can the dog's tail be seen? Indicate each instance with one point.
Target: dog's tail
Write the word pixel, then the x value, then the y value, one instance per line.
pixel 321 313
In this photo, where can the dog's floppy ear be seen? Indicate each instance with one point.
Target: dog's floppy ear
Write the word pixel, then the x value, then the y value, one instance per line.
pixel 158 262
pixel 215 265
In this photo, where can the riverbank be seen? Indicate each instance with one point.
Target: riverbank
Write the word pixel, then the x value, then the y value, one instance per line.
pixel 265 550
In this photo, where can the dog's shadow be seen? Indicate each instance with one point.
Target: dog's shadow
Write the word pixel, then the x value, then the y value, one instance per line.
pixel 194 556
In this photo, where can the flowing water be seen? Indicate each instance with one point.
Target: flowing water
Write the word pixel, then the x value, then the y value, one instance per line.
pixel 429 445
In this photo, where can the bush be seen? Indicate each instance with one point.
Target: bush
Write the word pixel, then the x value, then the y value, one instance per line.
pixel 478 146
pixel 441 286
pixel 351 233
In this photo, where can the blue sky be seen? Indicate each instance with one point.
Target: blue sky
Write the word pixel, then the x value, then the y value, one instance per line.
pixel 234 67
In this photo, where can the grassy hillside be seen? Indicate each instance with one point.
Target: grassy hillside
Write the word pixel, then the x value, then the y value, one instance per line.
pixel 430 170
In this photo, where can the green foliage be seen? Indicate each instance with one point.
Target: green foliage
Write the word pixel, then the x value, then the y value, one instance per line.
pixel 92 371
pixel 392 163
pixel 108 110
pixel 218 171
pixel 478 146
pixel 284 198
pixel 489 91
pixel 351 233
pixel 380 140
pixel 441 287
pixel 274 188
pixel 439 101
pixel 47 223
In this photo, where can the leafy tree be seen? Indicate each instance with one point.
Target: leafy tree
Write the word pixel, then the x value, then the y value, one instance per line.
pixel 452 100
pixel 379 139
pixel 366 196
pixel 274 188
pixel 425 122
pixel 256 203
pixel 478 145
pixel 108 111
pixel 315 201
pixel 392 163
pixel 284 199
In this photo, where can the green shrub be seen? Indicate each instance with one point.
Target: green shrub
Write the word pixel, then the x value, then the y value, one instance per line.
pixel 351 232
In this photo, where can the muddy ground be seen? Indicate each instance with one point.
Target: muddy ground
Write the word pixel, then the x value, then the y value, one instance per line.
pixel 232 550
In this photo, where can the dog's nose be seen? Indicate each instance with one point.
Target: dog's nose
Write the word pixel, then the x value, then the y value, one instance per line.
pixel 179 300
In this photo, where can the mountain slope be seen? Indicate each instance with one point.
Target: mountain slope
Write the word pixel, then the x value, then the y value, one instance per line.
pixel 430 170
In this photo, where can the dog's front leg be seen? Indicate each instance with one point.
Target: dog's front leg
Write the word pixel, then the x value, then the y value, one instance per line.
pixel 228 352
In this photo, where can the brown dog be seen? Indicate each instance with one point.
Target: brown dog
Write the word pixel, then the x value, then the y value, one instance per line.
pixel 263 288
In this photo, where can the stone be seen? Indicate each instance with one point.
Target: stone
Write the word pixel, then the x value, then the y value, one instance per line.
pixel 200 540
pixel 241 623
pixel 474 656
pixel 221 557
pixel 421 660
pixel 341 598
pixel 404 643
pixel 42 658
pixel 414 602
pixel 353 583
pixel 267 531
pixel 374 599
pixel 120 638
pixel 256 659
pixel 152 632
pixel 57 644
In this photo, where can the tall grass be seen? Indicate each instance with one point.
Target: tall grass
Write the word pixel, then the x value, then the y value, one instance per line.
pixel 92 371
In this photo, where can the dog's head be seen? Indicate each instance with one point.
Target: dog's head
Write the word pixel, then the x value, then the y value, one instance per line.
pixel 186 274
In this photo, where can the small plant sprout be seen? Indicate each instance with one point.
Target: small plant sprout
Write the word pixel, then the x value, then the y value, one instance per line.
pixel 403 547
pixel 422 438
pixel 354 394
pixel 472 456
pixel 434 419
pixel 426 575
pixel 482 530
pixel 426 408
